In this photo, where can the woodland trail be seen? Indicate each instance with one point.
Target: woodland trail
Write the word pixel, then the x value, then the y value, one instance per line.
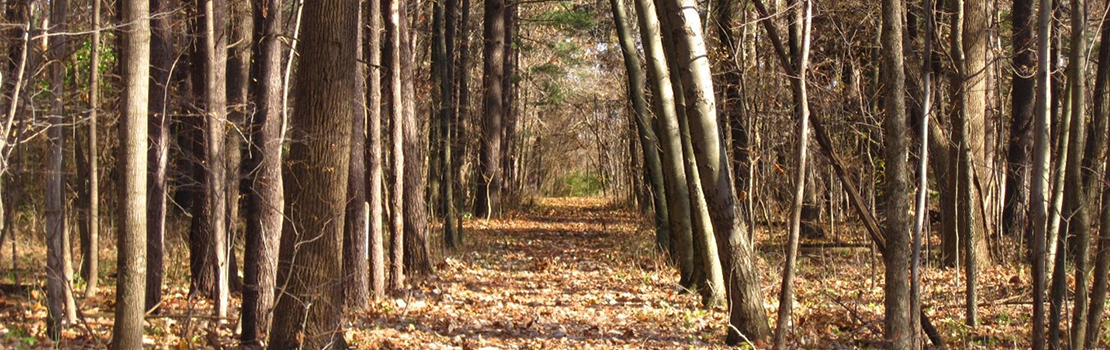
pixel 569 273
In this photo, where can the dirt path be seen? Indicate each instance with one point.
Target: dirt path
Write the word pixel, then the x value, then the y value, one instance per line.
pixel 571 273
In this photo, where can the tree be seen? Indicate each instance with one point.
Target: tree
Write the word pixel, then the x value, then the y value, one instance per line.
pixel 91 264
pixel 653 171
pixel 356 252
pixel 898 325
pixel 488 199
pixel 1075 192
pixel 417 259
pixel 1039 178
pixel 391 52
pixel 238 89
pixel 374 161
pixel 161 60
pixel 59 274
pixel 747 316
pixel 1016 201
pixel 786 294
pixel 215 101
pixel 266 197
pixel 309 309
pixel 127 333
pixel 665 107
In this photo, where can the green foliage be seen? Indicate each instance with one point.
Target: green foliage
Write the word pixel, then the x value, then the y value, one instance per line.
pixel 580 185
pixel 569 19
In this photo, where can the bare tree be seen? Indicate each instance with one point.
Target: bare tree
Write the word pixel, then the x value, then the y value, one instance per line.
pixel 373 52
pixel 488 199
pixel 127 332
pixel 309 309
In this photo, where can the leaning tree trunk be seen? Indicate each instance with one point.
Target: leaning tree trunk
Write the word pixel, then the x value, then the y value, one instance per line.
pixel 747 317
pixel 1102 258
pixel 673 163
pixel 898 323
pixel 310 309
pixel 652 167
pixel 489 162
pixel 127 332
pixel 264 209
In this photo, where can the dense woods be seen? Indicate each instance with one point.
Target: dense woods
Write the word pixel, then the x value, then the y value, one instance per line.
pixel 554 174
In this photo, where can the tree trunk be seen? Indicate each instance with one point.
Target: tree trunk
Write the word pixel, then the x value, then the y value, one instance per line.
pixel 417 258
pixel 309 312
pixel 747 316
pixel 215 99
pixel 1015 212
pixel 127 332
pixel 61 306
pixel 666 109
pixel 356 253
pixel 162 60
pixel 238 85
pixel 1075 192
pixel 1038 191
pixel 90 269
pixel 652 168
pixel 488 200
pixel 447 121
pixel 898 322
pixel 374 160
pixel 266 200
pixel 392 52
pixel 801 107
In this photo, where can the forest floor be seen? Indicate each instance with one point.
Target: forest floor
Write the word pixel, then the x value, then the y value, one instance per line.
pixel 563 273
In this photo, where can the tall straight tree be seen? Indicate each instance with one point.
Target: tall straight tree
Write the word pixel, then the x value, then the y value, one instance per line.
pixel 127 332
pixel 488 199
pixel 356 253
pixel 215 101
pixel 241 34
pixel 391 52
pixel 309 311
pixel 417 259
pixel 161 63
pixel 91 263
pixel 898 323
pixel 1102 257
pixel 374 160
pixel 61 305
pixel 266 197
pixel 1015 214
pixel 1038 190
pixel 1075 192
pixel 747 317
pixel 447 120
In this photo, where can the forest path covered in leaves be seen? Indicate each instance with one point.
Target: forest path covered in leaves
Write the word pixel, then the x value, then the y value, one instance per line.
pixel 567 273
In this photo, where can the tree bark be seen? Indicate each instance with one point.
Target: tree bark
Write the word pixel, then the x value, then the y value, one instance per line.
pixel 898 325
pixel 488 200
pixel 374 161
pixel 60 304
pixel 356 252
pixel 215 99
pixel 1038 191
pixel 392 53
pixel 127 332
pixel 309 311
pixel 1015 212
pixel 747 317
pixel 162 60
pixel 1074 187
pixel 417 258
pixel 652 168
pixel 266 197
pixel 238 86
pixel 665 107
pixel 786 294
